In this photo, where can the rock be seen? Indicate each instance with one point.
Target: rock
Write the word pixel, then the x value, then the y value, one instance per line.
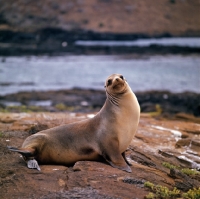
pixel 88 166
pixel 79 193
pixel 89 100
pixel 182 181
pixel 37 127
pixel 187 117
pixel 154 144
pixel 183 142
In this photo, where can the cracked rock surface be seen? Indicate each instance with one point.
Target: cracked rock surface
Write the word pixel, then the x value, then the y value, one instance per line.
pixel 157 140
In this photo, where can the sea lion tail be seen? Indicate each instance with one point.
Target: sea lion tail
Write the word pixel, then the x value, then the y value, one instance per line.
pixel 27 152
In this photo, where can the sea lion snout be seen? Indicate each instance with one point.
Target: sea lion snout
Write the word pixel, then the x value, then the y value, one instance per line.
pixel 118 83
pixel 119 78
pixel 115 82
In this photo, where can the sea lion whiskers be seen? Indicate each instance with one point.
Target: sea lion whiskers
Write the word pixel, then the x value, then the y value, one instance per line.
pixel 113 99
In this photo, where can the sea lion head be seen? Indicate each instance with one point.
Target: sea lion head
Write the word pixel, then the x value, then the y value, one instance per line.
pixel 116 84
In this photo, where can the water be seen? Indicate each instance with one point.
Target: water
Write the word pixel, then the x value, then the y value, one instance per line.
pixel 173 73
pixel 178 41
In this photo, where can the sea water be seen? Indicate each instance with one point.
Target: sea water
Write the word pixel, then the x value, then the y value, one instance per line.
pixel 175 73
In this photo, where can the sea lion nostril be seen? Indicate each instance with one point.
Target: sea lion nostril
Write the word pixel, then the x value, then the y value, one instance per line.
pixel 117 79
pixel 121 77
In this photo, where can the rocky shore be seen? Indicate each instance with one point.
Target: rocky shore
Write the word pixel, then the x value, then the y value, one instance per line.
pixel 164 155
pixel 162 103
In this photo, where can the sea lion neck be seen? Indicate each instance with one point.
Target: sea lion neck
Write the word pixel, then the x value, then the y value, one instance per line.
pixel 114 98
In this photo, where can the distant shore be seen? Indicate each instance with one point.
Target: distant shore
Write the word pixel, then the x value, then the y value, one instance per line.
pixel 90 100
pixel 53 41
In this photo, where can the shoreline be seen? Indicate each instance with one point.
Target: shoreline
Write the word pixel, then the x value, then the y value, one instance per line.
pixel 12 50
pixel 90 100
pixel 53 41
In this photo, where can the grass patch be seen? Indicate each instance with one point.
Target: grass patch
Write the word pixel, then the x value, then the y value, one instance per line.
pixel 1 135
pixel 190 171
pixel 157 112
pixel 192 194
pixel 169 166
pixel 61 107
pixel 19 109
pixel 162 192
pixel 158 191
pixel 187 171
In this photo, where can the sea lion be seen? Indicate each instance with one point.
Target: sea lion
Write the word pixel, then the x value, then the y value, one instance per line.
pixel 107 134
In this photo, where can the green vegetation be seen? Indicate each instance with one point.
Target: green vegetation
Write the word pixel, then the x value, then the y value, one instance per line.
pixel 149 185
pixel 164 193
pixel 23 108
pixel 158 191
pixel 186 171
pixel 150 196
pixel 157 112
pixel 190 171
pixel 63 107
pixel 169 166
pixel 1 134
pixel 29 109
pixel 161 191
pixel 192 194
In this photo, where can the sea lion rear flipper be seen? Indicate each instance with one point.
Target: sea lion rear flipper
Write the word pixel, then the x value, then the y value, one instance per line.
pixel 33 164
pixel 27 152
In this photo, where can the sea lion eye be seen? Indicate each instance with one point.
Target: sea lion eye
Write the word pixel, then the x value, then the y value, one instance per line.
pixel 109 82
pixel 121 76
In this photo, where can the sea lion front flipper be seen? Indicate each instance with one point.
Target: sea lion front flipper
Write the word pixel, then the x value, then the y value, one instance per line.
pixel 114 158
pixel 33 164
pixel 123 168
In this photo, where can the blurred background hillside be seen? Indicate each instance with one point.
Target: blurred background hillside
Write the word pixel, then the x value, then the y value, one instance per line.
pixel 177 17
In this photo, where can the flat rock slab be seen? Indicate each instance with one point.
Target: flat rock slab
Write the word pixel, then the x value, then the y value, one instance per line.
pixel 157 141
